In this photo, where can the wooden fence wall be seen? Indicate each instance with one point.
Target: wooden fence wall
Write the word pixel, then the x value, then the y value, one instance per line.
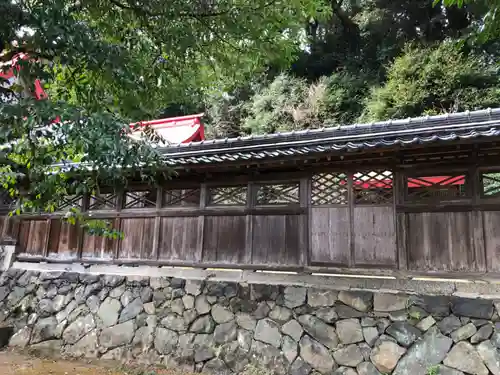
pixel 378 220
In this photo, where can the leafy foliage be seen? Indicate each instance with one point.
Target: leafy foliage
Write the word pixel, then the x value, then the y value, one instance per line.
pixel 102 228
pixel 489 27
pixel 107 63
pixel 434 80
pixel 368 34
pixel 346 93
pixel 291 103
pixel 254 66
pixel 226 111
pixel 352 53
pixel 278 106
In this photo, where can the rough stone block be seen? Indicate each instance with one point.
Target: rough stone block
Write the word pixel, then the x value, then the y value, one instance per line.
pixel 386 302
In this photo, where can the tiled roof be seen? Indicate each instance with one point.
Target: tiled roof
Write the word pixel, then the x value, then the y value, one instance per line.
pixel 420 130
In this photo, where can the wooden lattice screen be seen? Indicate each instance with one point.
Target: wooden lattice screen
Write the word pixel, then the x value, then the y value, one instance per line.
pixel 379 219
pixel 329 188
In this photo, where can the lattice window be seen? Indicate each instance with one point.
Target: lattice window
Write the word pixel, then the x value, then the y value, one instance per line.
pixel 329 188
pixel 440 187
pixel 278 194
pixel 491 184
pixel 140 199
pixel 227 195
pixel 373 187
pixel 70 201
pixel 181 197
pixel 104 201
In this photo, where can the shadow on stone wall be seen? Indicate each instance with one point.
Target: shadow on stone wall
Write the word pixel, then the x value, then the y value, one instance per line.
pixel 225 327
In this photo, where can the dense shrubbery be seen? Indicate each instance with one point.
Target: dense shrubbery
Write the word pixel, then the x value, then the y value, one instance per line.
pixel 422 80
pixel 369 60
pixel 434 80
pixel 287 103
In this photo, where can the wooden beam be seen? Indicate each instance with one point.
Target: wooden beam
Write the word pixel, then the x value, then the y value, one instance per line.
pixel 157 225
pixel 305 202
pixel 350 200
pixel 120 196
pixel 201 221
pixel 251 201
pixel 81 232
pixel 400 220
pixel 47 238
pixel 402 240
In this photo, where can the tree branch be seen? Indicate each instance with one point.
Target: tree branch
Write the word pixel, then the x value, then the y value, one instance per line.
pixel 217 34
pixel 138 9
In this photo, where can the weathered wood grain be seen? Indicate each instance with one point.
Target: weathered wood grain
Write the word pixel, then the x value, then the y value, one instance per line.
pixel 63 240
pixel 179 239
pixel 224 239
pixel 374 236
pixel 33 236
pixel 330 239
pixel 491 222
pixel 277 240
pixel 98 247
pixel 402 240
pixel 138 238
pixel 445 236
pixel 440 241
pixel 3 222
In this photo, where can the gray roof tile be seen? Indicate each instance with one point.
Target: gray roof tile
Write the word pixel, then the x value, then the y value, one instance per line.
pixel 421 130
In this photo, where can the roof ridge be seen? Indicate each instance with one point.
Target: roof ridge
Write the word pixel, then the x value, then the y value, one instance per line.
pixel 355 126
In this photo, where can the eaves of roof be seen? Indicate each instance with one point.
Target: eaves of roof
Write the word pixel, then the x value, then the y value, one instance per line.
pixel 412 131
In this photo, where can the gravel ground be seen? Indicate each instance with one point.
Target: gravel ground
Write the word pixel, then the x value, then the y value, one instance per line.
pixel 12 363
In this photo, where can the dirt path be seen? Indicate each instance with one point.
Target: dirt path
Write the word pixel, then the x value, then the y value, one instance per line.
pixel 12 363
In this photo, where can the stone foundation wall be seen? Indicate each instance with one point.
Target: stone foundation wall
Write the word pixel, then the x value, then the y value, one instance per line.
pixel 224 328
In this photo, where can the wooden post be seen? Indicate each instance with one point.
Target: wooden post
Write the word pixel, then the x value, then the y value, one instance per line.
pixel 401 220
pixel 251 198
pixel 45 249
pixel 350 200
pixel 10 230
pixel 157 225
pixel 476 219
pixel 305 202
pixel 201 221
pixel 81 232
pixel 118 222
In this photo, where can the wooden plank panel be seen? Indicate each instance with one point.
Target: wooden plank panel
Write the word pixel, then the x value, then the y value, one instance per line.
pixel 98 247
pixel 423 236
pixel 24 232
pixel 179 239
pixel 268 238
pixel 477 228
pixel 277 240
pixel 374 236
pixel 441 241
pixel 330 230
pixel 491 222
pixel 224 239
pixel 461 241
pixel 33 236
pixel 130 246
pixel 295 243
pixel 11 226
pixel 402 240
pixel 138 238
pixel 38 234
pixel 3 221
pixel 304 252
pixel 63 240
